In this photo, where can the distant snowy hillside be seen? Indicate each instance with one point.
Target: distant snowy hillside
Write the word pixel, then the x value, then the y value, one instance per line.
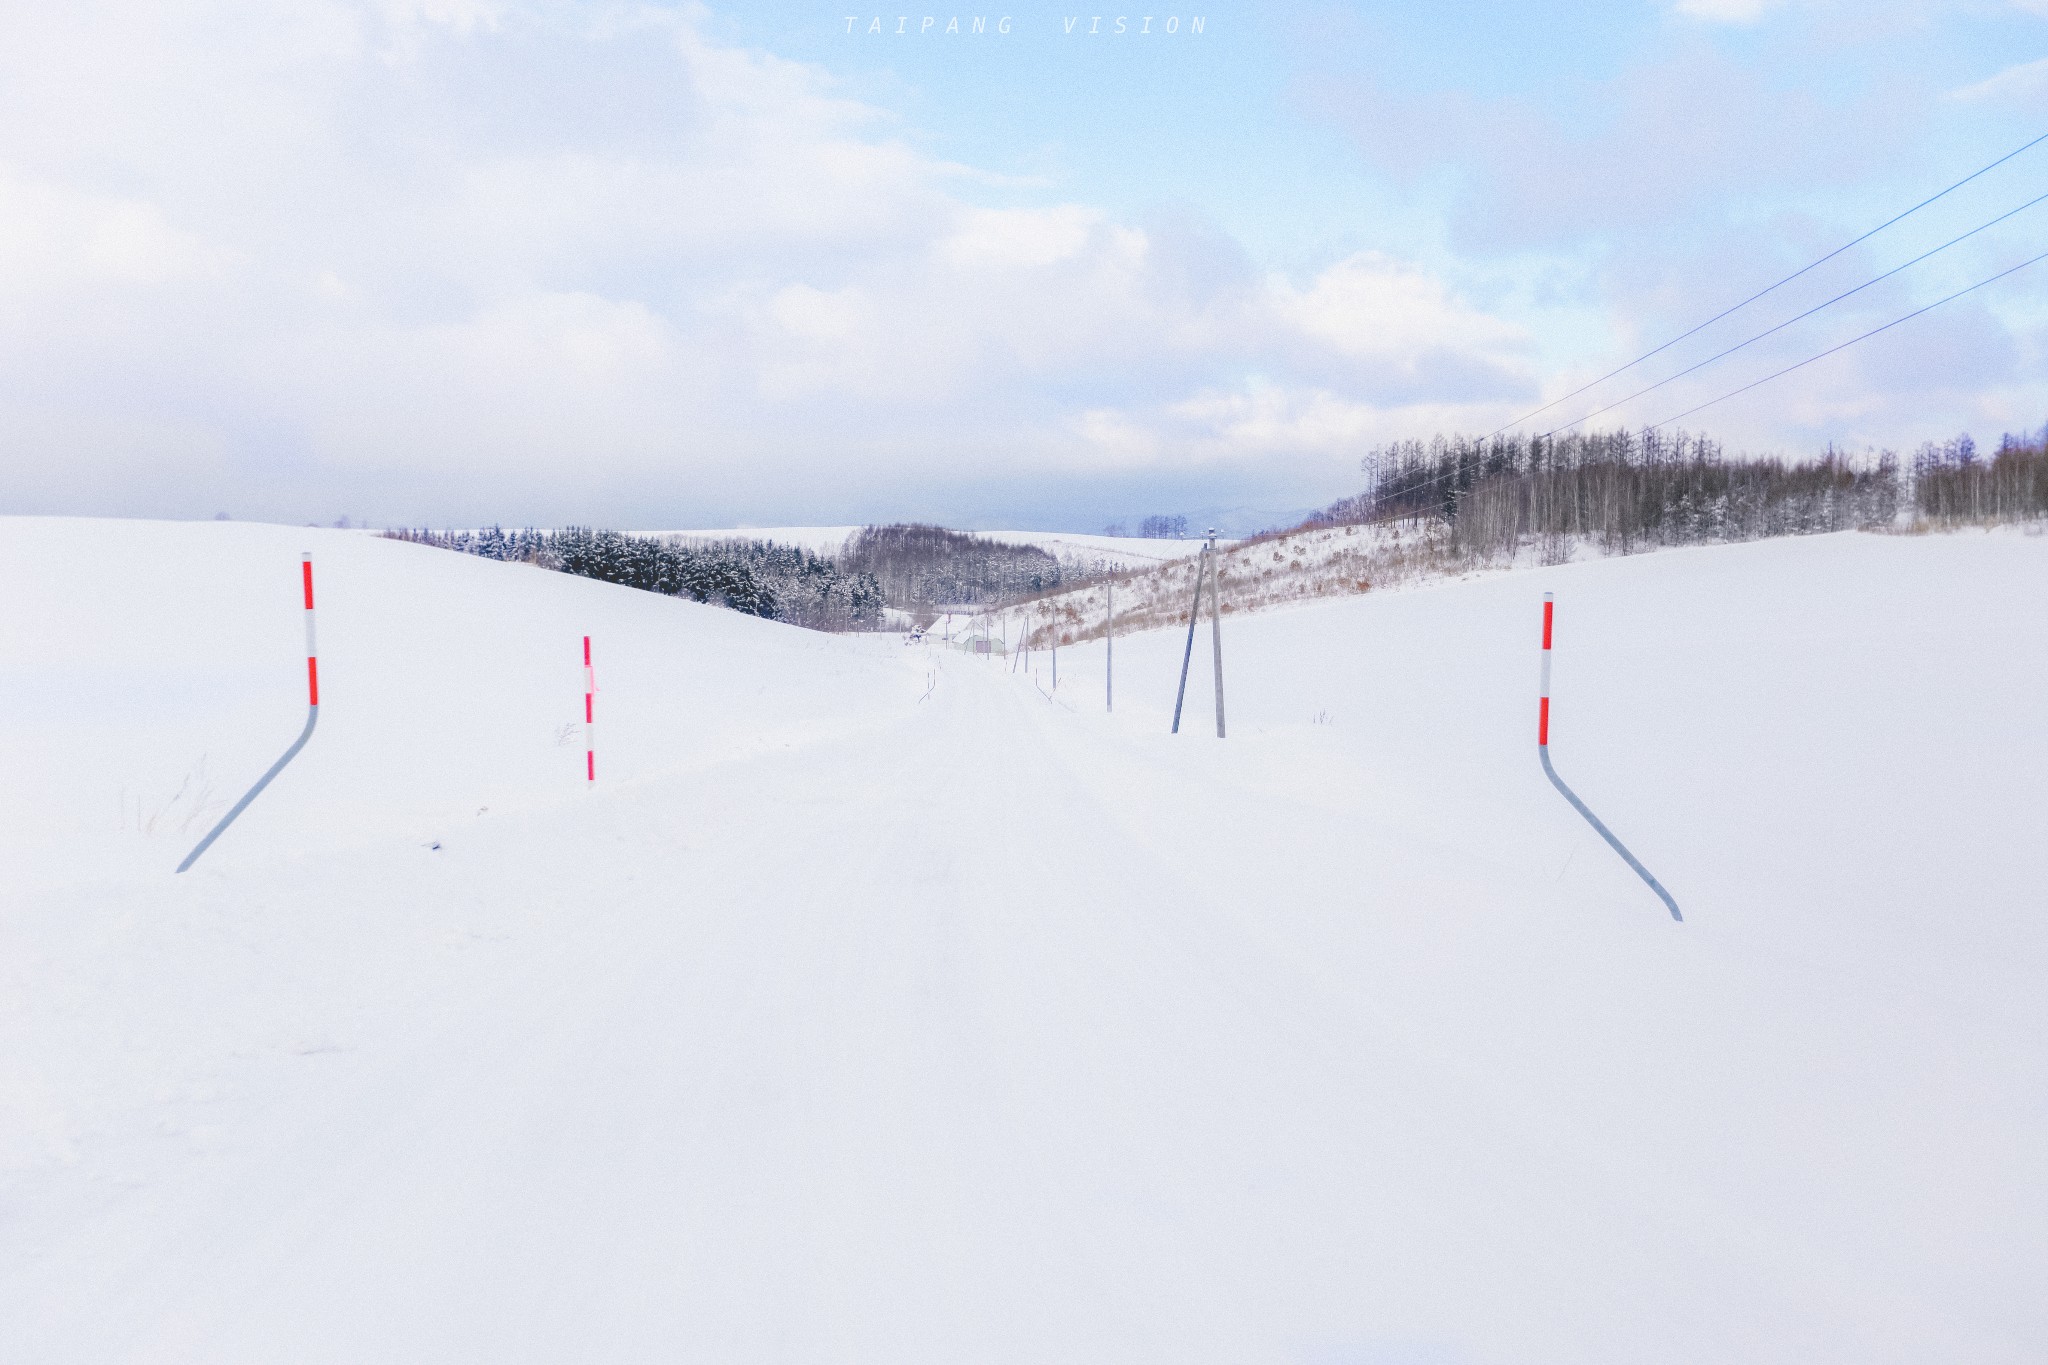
pixel 1123 552
pixel 1100 552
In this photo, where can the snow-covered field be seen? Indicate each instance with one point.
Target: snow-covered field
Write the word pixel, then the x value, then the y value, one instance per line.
pixel 880 1007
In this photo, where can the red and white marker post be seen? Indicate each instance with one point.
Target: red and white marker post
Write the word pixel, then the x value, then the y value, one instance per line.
pixel 589 717
pixel 312 719
pixel 312 643
pixel 1543 752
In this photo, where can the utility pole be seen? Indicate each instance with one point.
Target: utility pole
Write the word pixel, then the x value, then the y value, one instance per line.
pixel 1216 625
pixel 1187 654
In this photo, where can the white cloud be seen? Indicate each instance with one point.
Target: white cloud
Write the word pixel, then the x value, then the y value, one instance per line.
pixel 2024 84
pixel 55 239
pixel 450 260
pixel 1012 239
pixel 1725 11
pixel 1371 306
pixel 410 25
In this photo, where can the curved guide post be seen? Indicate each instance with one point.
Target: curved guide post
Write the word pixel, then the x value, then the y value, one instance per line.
pixel 1543 752
pixel 312 719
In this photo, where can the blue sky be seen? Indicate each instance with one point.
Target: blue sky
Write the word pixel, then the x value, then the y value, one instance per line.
pixel 462 260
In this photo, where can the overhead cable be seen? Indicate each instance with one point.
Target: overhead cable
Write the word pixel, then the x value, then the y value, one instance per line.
pixel 1769 288
pixel 1722 355
pixel 1850 342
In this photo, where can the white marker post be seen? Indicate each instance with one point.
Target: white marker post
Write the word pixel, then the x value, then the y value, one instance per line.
pixel 312 719
pixel 1543 752
pixel 1109 649
pixel 589 718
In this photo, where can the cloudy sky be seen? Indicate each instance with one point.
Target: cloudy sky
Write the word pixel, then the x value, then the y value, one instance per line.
pixel 455 261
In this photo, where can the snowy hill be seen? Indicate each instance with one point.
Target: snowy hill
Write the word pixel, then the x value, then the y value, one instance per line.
pixel 1115 552
pixel 879 1006
pixel 1100 552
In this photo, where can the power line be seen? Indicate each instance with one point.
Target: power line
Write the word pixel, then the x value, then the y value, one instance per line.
pixel 1767 289
pixel 1803 316
pixel 1850 342
pixel 1908 317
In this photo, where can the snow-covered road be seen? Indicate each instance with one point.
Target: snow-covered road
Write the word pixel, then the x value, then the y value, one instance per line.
pixel 842 1025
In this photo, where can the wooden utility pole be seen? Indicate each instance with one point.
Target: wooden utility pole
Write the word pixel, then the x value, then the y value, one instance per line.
pixel 1187 654
pixel 1216 625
